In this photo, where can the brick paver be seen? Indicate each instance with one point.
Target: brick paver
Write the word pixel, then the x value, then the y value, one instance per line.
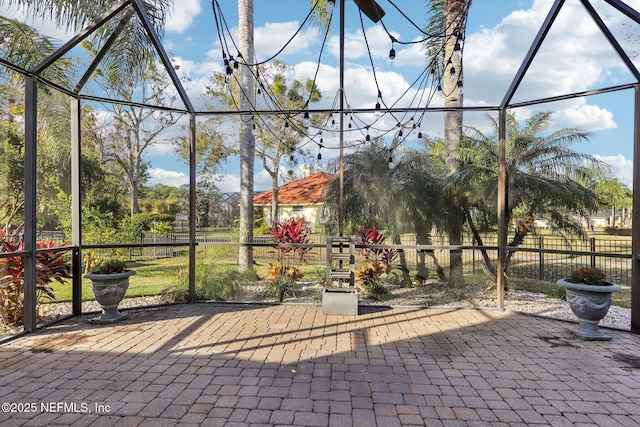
pixel 244 364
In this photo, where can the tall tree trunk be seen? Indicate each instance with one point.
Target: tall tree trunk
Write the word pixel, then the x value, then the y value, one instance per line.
pixel 246 138
pixel 452 86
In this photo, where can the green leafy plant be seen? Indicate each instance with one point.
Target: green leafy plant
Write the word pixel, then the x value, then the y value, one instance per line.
pixel 282 282
pixel 369 277
pixel 283 275
pixel 371 236
pixel 589 276
pixel 111 265
pixel 50 265
pixel 212 283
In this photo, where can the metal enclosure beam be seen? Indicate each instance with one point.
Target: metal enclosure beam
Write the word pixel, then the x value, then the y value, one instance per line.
pixel 76 204
pixel 81 36
pixel 635 220
pixel 535 46
pixel 29 236
pixel 502 206
pixel 192 208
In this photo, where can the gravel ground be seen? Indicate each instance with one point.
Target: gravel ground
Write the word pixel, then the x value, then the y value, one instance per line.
pixel 430 295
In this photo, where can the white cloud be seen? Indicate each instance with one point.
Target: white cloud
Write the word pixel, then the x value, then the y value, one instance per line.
pixel 273 36
pixel 182 15
pixel 574 57
pixel 584 116
pixel 167 177
pixel 229 183
pixel 621 167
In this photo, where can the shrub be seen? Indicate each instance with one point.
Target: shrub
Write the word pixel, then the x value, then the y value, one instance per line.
pixel 111 265
pixel 49 266
pixel 588 276
pixel 368 278
pixel 211 284
pixel 281 282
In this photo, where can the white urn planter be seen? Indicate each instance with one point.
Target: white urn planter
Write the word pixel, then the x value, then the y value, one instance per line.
pixel 590 304
pixel 109 290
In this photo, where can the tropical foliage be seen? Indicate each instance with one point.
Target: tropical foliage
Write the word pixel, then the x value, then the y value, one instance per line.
pixel 545 178
pixel 282 276
pixel 50 266
pixel 588 276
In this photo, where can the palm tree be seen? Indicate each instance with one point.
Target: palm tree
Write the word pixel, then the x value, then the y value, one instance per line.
pixel 447 22
pixel 398 193
pixel 544 177
pixel 246 138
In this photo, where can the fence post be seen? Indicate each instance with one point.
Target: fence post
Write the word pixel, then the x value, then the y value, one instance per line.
pixel 593 250
pixel 541 257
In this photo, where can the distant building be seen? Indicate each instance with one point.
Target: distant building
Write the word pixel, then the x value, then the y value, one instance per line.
pixel 303 197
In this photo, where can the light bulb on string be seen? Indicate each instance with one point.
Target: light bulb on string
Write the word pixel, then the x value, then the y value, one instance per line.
pixel 331 4
pixel 228 63
pixel 452 73
pixel 457 50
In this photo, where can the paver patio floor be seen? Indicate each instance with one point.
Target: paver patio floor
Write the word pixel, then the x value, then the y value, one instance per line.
pixel 235 364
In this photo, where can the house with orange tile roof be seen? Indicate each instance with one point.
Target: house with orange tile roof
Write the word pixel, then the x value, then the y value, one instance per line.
pixel 303 197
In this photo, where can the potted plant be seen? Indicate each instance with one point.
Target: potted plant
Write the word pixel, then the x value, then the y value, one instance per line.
pixel 589 296
pixel 109 282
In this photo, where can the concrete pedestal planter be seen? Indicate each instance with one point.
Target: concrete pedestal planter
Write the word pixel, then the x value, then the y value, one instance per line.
pixel 109 290
pixel 340 301
pixel 590 304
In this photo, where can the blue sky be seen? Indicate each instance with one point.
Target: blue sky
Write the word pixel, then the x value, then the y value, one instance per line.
pixel 575 57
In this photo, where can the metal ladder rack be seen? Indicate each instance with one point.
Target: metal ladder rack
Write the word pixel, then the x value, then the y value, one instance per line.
pixel 341 253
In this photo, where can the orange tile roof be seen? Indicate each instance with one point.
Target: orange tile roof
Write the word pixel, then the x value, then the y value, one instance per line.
pixel 303 191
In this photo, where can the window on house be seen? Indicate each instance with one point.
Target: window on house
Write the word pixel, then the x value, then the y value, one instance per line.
pixel 297 209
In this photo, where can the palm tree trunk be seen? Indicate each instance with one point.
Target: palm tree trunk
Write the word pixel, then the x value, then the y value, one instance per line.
pixel 455 28
pixel 246 138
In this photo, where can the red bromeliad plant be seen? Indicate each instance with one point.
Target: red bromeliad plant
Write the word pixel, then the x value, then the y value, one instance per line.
pixel 283 275
pixel 49 266
pixel 291 231
pixel 380 260
pixel 372 236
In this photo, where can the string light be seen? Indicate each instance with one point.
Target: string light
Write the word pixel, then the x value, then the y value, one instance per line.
pixel 331 4
pixel 457 50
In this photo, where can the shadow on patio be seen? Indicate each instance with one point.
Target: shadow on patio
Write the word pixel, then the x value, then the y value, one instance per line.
pixel 223 364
